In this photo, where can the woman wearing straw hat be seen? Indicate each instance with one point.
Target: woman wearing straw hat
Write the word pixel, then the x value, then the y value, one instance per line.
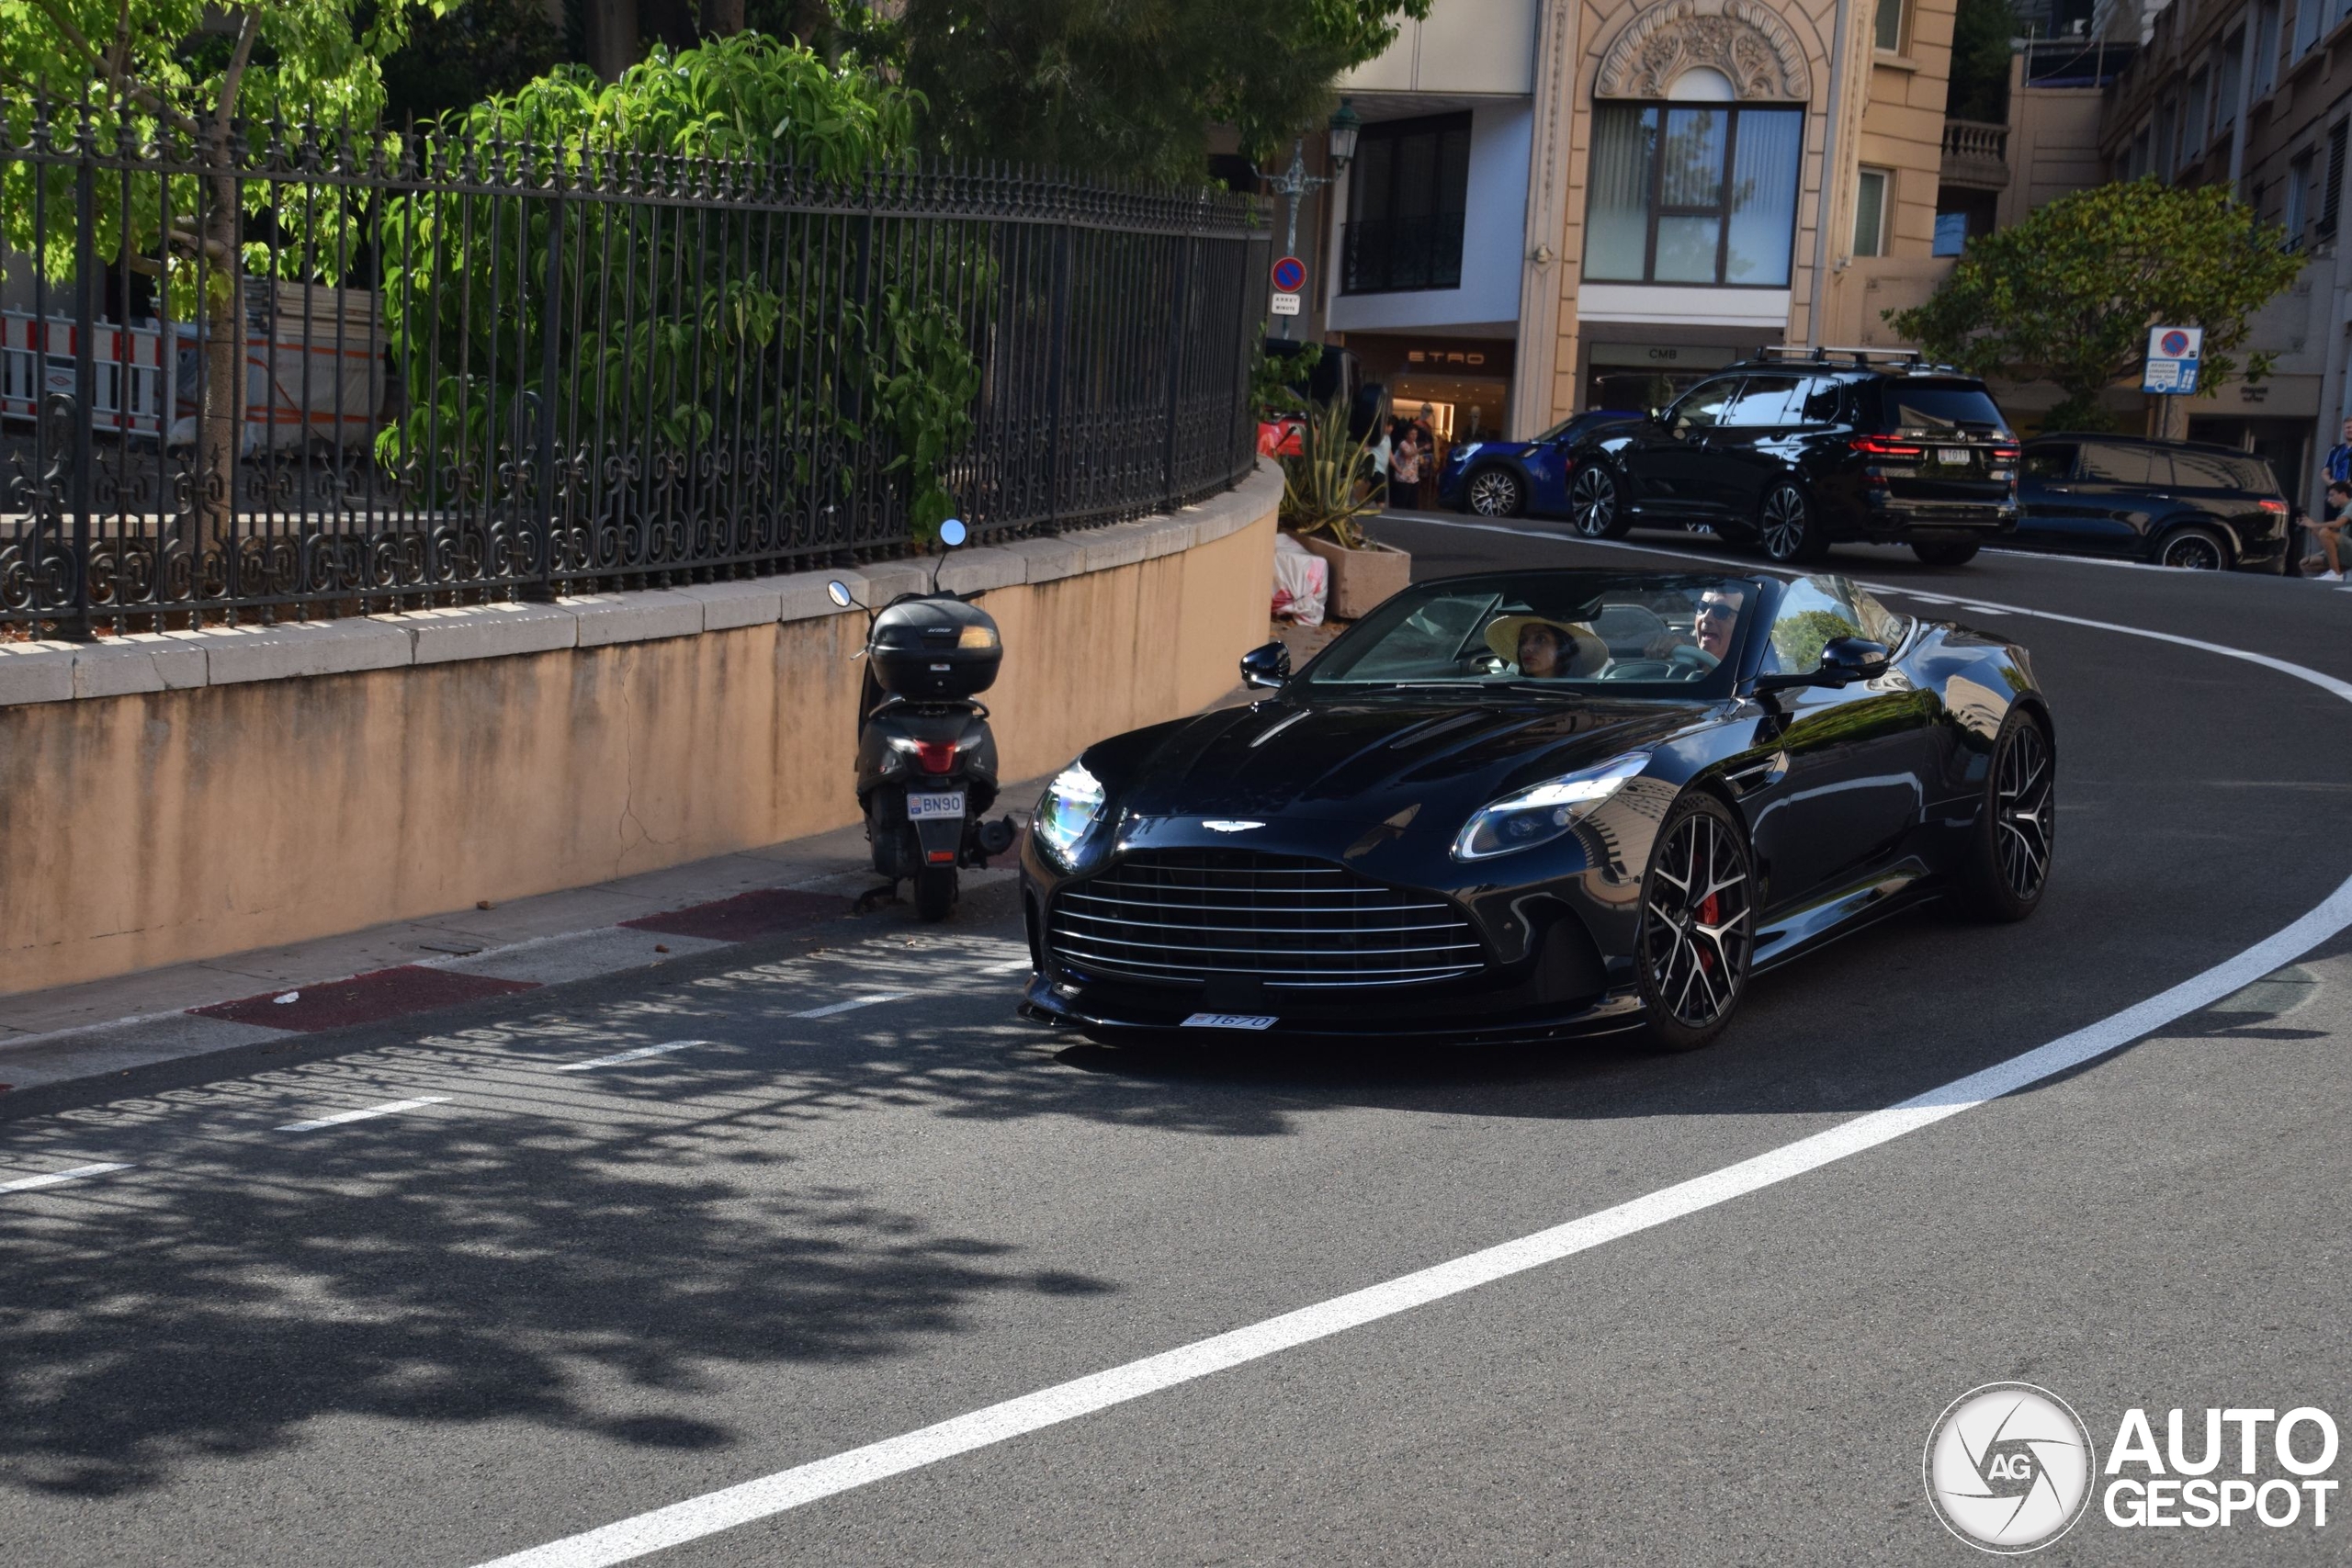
pixel 1548 650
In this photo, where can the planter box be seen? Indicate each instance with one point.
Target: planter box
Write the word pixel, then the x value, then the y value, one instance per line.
pixel 1361 579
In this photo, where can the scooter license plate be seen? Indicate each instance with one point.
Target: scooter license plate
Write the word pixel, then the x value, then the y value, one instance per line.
pixel 934 804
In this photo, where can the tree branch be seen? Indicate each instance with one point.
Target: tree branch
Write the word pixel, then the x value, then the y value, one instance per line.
pixel 121 80
pixel 234 76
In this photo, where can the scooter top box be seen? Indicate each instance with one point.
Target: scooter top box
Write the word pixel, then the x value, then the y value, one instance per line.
pixel 935 648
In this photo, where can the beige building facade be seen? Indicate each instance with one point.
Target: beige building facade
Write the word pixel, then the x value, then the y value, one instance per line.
pixel 1566 204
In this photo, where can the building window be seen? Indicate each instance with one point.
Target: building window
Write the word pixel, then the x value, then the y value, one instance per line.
pixel 2192 131
pixel 2306 26
pixel 2330 197
pixel 2298 199
pixel 1407 193
pixel 2225 84
pixel 2265 50
pixel 1887 27
pixel 1869 212
pixel 1688 194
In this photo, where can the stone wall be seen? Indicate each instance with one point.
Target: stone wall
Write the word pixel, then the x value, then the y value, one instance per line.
pixel 179 795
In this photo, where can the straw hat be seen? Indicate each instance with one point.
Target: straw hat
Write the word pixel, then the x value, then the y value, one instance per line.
pixel 1585 652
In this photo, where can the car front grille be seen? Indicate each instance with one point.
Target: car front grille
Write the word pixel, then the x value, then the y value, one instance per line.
pixel 1185 915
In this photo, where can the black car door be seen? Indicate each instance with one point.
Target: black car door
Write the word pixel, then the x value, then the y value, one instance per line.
pixel 1749 448
pixel 1858 757
pixel 2048 511
pixel 2121 491
pixel 1673 474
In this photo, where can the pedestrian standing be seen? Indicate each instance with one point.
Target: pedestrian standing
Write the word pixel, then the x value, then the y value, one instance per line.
pixel 1382 451
pixel 1405 464
pixel 2338 470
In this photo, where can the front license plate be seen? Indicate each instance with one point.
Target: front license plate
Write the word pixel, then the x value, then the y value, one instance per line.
pixel 1227 1021
pixel 1951 455
pixel 940 802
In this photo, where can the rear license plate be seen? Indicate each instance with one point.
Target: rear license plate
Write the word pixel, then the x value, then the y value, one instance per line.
pixel 1227 1021
pixel 940 802
pixel 1951 455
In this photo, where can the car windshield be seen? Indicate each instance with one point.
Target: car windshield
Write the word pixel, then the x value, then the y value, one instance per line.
pixel 1543 632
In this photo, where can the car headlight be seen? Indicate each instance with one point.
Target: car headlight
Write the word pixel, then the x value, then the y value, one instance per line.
pixel 1070 804
pixel 1540 815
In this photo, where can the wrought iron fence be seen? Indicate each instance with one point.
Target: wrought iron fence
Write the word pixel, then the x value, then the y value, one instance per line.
pixel 316 375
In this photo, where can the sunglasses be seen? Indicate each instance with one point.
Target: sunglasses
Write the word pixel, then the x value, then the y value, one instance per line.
pixel 1723 612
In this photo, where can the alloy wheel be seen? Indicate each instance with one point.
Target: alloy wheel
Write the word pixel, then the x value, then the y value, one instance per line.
pixel 1784 524
pixel 2192 552
pixel 2023 804
pixel 1695 920
pixel 1592 502
pixel 1495 493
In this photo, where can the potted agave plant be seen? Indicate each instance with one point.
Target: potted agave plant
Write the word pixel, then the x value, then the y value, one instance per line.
pixel 1327 490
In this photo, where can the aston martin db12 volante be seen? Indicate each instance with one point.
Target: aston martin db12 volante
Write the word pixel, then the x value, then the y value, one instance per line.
pixel 1539 804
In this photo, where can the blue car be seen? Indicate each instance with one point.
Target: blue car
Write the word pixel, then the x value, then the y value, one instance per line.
pixel 1509 479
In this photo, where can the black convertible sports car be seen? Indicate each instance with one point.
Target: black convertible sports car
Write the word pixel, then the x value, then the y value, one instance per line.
pixel 1539 804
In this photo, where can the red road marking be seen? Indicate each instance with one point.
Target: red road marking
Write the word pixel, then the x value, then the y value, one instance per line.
pixel 363 999
pixel 744 916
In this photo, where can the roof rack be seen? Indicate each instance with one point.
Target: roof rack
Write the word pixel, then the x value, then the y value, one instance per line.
pixel 1861 358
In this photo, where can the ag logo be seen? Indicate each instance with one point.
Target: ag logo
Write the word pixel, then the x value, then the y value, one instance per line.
pixel 2008 1468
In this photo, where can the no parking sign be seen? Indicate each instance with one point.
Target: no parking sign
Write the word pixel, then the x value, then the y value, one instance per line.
pixel 2172 360
pixel 1290 276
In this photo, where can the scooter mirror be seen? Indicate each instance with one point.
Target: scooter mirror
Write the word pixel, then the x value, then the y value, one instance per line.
pixel 952 533
pixel 838 591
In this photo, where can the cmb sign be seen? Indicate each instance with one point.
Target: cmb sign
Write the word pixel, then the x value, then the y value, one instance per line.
pixel 2172 360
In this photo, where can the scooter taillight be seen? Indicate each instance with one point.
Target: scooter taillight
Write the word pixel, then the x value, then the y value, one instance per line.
pixel 935 756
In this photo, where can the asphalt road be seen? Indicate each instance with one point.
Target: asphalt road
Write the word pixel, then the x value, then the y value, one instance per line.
pixel 543 1301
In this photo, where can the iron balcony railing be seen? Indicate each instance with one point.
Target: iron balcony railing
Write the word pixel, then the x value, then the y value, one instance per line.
pixel 317 374
pixel 1383 255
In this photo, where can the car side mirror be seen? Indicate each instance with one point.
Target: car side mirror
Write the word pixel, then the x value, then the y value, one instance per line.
pixel 1267 666
pixel 1843 660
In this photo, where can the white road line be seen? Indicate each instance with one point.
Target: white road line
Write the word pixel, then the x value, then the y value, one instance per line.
pixel 390 1108
pixel 638 1055
pixel 770 1494
pixel 1017 967
pixel 851 1006
pixel 27 1183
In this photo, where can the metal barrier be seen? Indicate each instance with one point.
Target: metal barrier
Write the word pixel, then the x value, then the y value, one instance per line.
pixel 368 373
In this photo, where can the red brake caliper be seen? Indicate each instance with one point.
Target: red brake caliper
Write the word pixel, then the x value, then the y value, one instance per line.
pixel 1708 914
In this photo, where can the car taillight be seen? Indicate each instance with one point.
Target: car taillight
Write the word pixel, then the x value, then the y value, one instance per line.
pixel 935 756
pixel 1881 446
pixel 2005 454
pixel 2276 508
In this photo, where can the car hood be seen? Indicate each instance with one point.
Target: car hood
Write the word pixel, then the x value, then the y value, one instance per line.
pixel 1367 759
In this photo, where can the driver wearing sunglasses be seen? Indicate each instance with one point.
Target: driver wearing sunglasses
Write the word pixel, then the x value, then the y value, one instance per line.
pixel 1718 617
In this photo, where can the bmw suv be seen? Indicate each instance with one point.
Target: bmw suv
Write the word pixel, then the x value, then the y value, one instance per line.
pixel 1793 451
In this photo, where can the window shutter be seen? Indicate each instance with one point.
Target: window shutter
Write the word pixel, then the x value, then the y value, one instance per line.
pixel 2330 201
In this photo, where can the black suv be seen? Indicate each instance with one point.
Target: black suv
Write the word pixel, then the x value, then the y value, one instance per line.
pixel 2171 502
pixel 1799 448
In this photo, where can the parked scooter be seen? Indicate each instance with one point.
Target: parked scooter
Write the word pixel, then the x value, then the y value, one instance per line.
pixel 926 759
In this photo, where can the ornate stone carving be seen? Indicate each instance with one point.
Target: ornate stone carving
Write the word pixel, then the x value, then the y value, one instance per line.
pixel 1748 42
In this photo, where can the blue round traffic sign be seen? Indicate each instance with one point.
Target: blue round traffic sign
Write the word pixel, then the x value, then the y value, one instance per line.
pixel 2175 343
pixel 1290 275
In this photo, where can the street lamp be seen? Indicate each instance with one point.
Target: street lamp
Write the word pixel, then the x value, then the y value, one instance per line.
pixel 1295 182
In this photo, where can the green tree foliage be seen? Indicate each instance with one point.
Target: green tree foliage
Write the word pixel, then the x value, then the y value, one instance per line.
pixel 1978 88
pixel 195 75
pixel 696 309
pixel 2068 295
pixel 1126 87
